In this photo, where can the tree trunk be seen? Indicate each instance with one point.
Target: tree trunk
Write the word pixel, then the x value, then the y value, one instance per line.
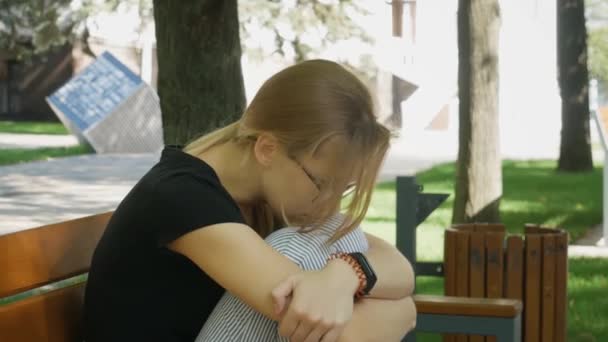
pixel 200 82
pixel 479 171
pixel 575 148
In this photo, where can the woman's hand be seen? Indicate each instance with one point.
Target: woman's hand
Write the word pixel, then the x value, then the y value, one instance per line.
pixel 315 306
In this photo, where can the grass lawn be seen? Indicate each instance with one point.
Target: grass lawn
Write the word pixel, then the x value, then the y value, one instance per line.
pixel 32 127
pixel 533 193
pixel 15 156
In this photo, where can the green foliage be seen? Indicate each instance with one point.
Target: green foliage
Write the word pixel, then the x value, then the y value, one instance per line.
pixel 32 27
pixel 29 27
pixel 304 29
pixel 598 53
pixel 299 27
pixel 597 24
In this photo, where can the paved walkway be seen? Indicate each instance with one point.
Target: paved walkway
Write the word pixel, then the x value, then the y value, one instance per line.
pixel 591 245
pixel 39 193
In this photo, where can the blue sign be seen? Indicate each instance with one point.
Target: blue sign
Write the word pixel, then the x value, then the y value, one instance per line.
pixel 96 92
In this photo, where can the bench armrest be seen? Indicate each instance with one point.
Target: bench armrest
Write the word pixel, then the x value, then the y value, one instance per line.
pixel 464 306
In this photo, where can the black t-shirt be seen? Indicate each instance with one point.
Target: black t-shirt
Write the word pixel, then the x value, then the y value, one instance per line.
pixel 138 290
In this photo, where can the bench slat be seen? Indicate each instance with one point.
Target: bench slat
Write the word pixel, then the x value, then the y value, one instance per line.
pixel 533 285
pixel 561 280
pixel 463 242
pixel 515 267
pixel 465 306
pixel 35 257
pixel 548 289
pixel 495 264
pixel 477 272
pixel 52 317
pixel 450 270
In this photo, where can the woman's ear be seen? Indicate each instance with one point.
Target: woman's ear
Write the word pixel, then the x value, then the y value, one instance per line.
pixel 265 148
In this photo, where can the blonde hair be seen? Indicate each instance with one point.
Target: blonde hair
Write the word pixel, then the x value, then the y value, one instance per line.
pixel 304 106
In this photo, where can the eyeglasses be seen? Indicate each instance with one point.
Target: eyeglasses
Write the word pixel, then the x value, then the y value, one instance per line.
pixel 350 188
pixel 312 178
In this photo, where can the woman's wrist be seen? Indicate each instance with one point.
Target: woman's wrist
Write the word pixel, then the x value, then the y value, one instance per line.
pixel 351 270
pixel 345 273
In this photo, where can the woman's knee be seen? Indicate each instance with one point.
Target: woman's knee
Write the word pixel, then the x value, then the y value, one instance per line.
pixel 410 312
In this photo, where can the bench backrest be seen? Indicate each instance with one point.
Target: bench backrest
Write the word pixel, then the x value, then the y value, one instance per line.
pixel 479 262
pixel 32 260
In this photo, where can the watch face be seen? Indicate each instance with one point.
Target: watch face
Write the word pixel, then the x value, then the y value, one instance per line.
pixel 370 275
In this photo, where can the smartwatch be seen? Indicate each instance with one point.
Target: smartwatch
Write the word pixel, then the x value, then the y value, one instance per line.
pixel 370 275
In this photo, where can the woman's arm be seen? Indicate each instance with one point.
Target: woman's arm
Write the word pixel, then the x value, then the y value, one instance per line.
pixel 241 262
pixel 394 272
pixel 389 312
pixel 238 259
pixel 380 320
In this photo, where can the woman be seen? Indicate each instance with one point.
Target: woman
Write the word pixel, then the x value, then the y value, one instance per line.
pixel 233 320
pixel 193 226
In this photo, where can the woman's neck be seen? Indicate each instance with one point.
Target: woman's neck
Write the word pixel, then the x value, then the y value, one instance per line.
pixel 237 173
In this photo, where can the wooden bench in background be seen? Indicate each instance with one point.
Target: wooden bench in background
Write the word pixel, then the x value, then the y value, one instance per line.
pixel 440 314
pixel 480 262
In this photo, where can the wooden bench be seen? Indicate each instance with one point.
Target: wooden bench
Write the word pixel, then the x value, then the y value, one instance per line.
pixel 499 318
pixel 448 314
pixel 32 259
pixel 480 261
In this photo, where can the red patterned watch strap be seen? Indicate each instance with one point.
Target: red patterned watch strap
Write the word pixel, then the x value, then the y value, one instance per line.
pixel 356 267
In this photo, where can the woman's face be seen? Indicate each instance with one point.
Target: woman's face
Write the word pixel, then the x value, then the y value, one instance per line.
pixel 292 184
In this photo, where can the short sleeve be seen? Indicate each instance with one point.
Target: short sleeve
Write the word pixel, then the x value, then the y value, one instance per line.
pixel 184 203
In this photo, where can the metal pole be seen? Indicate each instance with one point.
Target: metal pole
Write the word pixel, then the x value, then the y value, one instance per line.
pixel 594 108
pixel 605 199
pixel 407 202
